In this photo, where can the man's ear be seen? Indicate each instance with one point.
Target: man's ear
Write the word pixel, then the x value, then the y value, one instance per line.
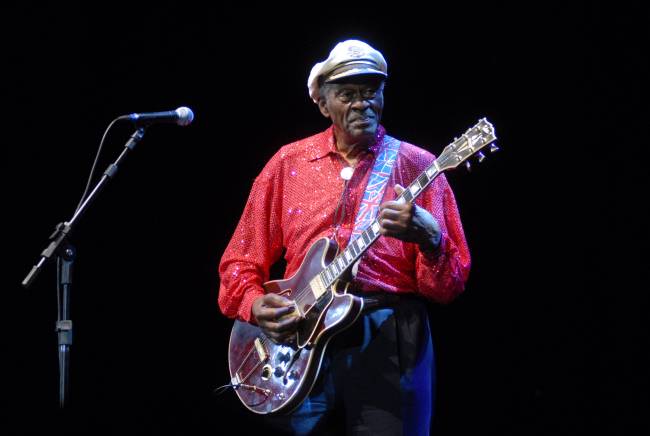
pixel 322 105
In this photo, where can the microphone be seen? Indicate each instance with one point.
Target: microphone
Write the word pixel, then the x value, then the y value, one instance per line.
pixel 181 116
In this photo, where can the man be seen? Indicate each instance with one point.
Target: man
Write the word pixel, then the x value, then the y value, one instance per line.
pixel 377 376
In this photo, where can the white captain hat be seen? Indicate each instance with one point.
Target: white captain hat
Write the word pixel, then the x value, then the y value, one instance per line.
pixel 348 58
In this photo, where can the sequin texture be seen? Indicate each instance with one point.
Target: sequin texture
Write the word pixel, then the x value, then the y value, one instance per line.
pixel 292 204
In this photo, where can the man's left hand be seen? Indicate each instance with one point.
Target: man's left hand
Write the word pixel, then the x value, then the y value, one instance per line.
pixel 409 222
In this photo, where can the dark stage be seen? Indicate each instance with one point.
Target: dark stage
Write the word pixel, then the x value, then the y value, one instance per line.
pixel 549 337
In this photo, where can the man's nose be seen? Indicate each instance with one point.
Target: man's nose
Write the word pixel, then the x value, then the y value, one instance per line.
pixel 360 103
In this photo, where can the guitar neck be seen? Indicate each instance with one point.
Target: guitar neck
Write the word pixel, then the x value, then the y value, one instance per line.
pixel 468 144
pixel 355 249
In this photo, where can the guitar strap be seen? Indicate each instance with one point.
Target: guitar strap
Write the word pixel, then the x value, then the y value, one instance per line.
pixel 369 207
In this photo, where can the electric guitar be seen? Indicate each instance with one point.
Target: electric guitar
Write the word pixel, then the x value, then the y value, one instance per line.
pixel 271 377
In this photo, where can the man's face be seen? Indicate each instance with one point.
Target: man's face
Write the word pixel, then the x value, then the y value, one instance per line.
pixel 354 107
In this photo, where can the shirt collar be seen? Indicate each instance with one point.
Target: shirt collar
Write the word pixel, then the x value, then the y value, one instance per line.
pixel 324 145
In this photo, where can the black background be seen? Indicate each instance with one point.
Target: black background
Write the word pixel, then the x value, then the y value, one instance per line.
pixel 549 337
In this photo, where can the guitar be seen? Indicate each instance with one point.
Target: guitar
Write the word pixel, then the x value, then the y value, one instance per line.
pixel 271 377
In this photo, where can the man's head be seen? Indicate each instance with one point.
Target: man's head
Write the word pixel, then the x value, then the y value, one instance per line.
pixel 348 88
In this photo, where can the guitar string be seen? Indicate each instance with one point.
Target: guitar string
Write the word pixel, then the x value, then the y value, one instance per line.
pixel 245 359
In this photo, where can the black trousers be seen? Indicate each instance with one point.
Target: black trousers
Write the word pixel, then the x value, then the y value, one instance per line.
pixel 377 377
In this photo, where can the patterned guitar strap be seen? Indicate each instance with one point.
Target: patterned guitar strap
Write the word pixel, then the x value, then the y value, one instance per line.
pixel 374 193
pixel 372 197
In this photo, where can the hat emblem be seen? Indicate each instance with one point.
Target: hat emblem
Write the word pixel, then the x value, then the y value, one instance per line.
pixel 356 51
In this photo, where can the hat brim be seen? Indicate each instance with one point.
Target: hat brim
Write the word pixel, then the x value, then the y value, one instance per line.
pixel 357 71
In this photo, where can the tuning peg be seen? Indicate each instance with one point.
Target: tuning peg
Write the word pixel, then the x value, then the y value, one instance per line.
pixel 481 157
pixel 493 148
pixel 468 166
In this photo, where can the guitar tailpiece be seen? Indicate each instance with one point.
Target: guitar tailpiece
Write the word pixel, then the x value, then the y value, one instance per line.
pixel 265 392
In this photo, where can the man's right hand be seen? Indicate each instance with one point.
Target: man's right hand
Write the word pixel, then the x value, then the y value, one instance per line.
pixel 270 312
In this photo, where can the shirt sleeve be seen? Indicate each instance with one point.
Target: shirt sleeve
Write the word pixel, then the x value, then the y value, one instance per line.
pixel 255 245
pixel 441 275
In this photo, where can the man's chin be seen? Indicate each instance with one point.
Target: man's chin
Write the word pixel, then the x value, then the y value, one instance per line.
pixel 364 130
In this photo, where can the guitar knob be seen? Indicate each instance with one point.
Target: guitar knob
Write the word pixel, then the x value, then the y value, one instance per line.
pixel 283 357
pixel 481 157
pixel 493 148
pixel 468 166
pixel 279 372
pixel 293 374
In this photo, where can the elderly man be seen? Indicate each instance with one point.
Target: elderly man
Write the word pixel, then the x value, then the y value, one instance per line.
pixel 377 376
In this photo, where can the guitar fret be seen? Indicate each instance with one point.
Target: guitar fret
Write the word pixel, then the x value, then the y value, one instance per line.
pixel 341 263
pixel 353 249
pixel 348 256
pixel 407 195
pixel 423 180
pixel 327 275
pixel 432 170
pixel 365 237
pixel 361 243
pixel 414 188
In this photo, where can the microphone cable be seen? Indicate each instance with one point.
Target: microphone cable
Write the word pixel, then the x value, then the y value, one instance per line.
pixel 92 169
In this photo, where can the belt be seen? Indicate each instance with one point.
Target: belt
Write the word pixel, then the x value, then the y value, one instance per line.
pixel 380 300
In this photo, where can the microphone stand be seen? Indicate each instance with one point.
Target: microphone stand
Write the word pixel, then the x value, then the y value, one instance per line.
pixel 65 254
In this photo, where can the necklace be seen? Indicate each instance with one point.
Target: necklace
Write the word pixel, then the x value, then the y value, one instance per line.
pixel 346 173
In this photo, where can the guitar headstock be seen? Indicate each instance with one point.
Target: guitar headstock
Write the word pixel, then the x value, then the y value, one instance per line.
pixel 470 143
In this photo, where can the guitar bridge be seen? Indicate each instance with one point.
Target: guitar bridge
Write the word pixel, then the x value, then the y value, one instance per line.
pixel 261 351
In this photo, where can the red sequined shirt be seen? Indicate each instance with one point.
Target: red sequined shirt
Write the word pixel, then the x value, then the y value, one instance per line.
pixel 293 203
